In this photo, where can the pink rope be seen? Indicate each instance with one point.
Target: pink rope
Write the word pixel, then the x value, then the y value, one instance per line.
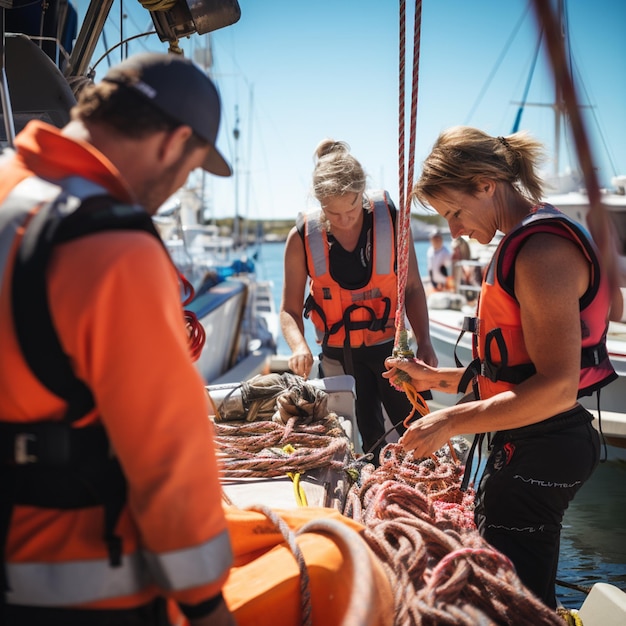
pixel 401 80
pixel 404 217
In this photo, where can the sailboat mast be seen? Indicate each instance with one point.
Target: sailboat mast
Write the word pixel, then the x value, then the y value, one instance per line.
pixel 236 134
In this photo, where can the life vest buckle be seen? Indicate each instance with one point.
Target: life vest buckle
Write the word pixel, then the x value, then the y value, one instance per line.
pixel 377 325
pixel 470 325
pixel 490 371
pixel 21 453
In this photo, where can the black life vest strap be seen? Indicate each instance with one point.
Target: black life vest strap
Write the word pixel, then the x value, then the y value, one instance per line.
pixel 52 464
pixel 477 444
pixel 514 374
pixel 33 323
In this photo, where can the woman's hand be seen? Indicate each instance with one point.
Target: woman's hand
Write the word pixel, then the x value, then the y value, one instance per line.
pixel 426 434
pixel 300 363
pixel 422 375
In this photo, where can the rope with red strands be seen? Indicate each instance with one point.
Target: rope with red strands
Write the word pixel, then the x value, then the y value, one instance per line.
pixel 404 217
pixel 195 330
pixel 401 347
pixel 403 226
pixel 600 225
pixel 420 526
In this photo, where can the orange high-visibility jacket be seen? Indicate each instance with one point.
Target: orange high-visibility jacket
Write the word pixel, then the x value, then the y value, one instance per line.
pixel 114 299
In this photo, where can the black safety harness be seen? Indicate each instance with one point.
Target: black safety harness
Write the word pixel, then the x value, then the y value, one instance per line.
pixel 55 464
pixel 373 323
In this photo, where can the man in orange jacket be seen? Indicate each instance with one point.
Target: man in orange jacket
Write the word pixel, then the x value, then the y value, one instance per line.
pixel 110 501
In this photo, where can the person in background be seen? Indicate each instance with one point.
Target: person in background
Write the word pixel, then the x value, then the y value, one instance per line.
pixel 111 506
pixel 463 274
pixel 460 250
pixel 348 250
pixel 540 345
pixel 439 262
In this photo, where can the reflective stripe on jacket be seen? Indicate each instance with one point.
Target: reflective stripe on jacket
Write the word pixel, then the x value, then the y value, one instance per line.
pixel 499 345
pixel 114 298
pixel 367 313
pixel 88 581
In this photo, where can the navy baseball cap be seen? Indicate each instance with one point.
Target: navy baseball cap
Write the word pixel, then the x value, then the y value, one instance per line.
pixel 182 90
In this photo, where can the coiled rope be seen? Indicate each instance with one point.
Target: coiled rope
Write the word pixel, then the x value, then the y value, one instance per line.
pixel 257 449
pixel 195 330
pixel 420 526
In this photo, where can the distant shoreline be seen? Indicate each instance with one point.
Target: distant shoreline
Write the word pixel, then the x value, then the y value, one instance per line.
pixel 276 230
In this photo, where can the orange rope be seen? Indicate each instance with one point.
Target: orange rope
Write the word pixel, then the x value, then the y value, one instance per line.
pixel 416 400
pixel 420 406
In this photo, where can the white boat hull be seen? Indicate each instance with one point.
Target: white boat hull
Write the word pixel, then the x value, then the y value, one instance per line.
pixel 239 334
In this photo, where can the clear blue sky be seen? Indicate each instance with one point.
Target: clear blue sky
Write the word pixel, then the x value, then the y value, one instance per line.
pixel 298 72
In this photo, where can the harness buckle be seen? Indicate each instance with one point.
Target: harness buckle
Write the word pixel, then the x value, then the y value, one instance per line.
pixel 22 456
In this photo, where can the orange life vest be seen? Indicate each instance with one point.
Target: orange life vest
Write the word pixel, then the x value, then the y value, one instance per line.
pixel 501 359
pixel 341 316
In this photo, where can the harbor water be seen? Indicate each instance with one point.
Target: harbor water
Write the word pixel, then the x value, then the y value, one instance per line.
pixel 593 540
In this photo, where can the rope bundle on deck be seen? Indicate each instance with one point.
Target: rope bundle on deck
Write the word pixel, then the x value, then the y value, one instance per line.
pixel 279 424
pixel 420 525
pixel 267 449
pixel 274 396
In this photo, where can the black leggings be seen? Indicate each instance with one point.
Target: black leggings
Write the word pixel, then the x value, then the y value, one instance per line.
pixel 373 392
pixel 531 476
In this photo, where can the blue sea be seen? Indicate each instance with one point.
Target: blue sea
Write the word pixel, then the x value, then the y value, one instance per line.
pixel 593 541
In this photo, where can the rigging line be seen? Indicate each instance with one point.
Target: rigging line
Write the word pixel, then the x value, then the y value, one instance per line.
pixel 577 74
pixel 121 43
pixel 496 67
pixel 401 93
pixel 404 212
pixel 598 220
pixel 529 80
